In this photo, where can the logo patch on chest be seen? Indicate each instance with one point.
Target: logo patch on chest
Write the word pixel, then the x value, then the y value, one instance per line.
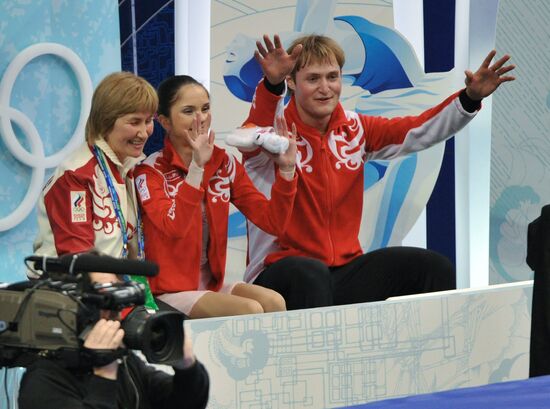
pixel 172 175
pixel 143 190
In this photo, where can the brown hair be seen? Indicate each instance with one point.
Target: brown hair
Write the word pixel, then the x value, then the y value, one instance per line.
pixel 316 49
pixel 118 94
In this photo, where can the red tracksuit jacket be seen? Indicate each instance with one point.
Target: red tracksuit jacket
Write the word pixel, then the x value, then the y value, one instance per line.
pixel 172 214
pixel 327 211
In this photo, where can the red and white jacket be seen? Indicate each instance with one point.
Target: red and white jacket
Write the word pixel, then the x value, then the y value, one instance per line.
pixel 75 210
pixel 172 214
pixel 327 210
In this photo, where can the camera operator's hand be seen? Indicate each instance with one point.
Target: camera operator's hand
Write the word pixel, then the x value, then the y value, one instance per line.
pixel 105 334
pixel 188 355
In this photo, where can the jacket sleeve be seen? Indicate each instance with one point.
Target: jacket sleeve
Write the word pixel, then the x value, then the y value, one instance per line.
pixel 272 215
pixel 69 205
pixel 263 107
pixel 187 388
pixel 387 138
pixel 48 385
pixel 167 213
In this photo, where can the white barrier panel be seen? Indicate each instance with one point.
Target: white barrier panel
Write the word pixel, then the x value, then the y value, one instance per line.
pixel 338 356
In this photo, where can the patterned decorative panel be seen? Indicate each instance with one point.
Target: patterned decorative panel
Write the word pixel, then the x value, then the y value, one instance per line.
pixel 520 147
pixel 338 356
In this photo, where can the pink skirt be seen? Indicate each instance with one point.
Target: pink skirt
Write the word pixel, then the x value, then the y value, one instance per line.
pixel 185 300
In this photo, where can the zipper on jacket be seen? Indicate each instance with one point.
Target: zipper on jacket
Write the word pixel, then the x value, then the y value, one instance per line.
pixel 326 167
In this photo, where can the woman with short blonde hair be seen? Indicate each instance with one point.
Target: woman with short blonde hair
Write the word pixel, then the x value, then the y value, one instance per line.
pixel 90 201
pixel 118 94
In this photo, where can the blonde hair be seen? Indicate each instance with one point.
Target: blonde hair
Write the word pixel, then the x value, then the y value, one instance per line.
pixel 316 49
pixel 118 94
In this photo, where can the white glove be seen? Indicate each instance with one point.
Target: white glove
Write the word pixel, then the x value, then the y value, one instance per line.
pixel 247 139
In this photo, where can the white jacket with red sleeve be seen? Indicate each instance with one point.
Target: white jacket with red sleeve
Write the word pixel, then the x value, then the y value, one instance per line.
pixel 327 211
pixel 172 214
pixel 75 210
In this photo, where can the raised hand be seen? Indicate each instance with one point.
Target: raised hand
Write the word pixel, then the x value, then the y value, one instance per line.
pixel 488 78
pixel 201 141
pixel 276 63
pixel 106 334
pixel 287 160
pixel 188 354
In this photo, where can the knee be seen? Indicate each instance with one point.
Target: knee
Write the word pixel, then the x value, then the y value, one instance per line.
pixel 273 301
pixel 249 306
pixel 439 273
pixel 310 272
pixel 443 271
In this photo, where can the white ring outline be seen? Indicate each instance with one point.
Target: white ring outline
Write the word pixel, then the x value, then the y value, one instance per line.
pixel 36 159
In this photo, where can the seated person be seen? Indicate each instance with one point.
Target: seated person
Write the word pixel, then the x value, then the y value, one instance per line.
pixel 185 191
pixel 127 384
pixel 90 201
pixel 318 261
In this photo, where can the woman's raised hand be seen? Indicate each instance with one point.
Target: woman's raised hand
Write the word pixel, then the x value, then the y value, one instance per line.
pixel 287 160
pixel 201 141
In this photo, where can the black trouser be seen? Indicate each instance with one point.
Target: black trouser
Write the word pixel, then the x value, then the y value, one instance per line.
pixel 538 258
pixel 306 282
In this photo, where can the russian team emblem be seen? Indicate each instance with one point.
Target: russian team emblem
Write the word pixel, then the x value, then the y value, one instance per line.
pixel 78 207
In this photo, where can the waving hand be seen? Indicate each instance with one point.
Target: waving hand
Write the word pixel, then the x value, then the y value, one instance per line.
pixel 201 141
pixel 276 63
pixel 488 78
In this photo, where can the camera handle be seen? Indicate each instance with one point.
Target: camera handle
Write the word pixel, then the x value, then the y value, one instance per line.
pixel 101 357
pixel 98 357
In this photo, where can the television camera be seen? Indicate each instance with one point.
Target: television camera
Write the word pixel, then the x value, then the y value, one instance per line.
pixel 50 317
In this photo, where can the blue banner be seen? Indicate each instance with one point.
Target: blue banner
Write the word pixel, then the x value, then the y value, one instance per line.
pixel 51 56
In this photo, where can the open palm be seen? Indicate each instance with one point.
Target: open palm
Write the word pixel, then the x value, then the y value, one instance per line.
pixel 287 160
pixel 488 78
pixel 276 63
pixel 201 141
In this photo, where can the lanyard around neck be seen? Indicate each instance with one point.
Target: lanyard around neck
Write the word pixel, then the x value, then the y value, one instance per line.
pixel 100 156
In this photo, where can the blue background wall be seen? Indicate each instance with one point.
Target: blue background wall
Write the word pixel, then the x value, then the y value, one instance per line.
pixel 47 93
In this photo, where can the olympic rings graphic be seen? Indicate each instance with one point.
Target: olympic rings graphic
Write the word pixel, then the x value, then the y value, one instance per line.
pixel 36 158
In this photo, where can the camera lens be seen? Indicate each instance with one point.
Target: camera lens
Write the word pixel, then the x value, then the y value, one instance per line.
pixel 159 336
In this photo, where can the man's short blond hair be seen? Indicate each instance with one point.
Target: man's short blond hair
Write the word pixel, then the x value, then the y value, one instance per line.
pixel 118 94
pixel 316 49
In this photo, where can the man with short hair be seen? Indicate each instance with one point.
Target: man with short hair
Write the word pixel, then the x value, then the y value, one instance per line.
pixel 318 261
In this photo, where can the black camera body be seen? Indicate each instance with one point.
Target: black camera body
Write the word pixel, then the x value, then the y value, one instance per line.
pixel 49 318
